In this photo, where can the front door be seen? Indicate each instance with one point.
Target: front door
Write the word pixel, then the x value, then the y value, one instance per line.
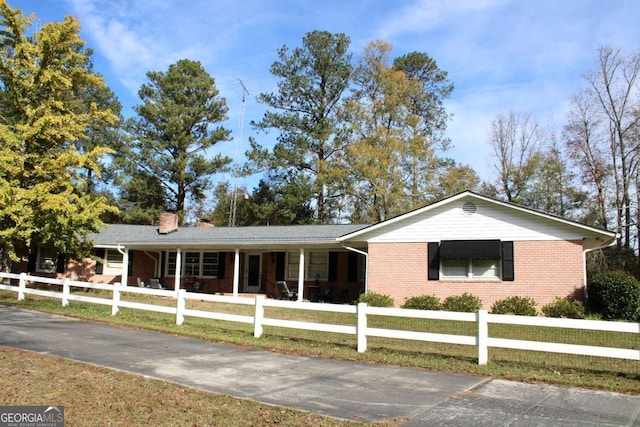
pixel 252 273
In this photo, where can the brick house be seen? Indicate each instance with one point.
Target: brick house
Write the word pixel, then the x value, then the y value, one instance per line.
pixel 480 245
pixel 465 243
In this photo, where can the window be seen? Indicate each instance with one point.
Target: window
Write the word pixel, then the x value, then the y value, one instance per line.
pixel 471 259
pixel 201 264
pixel 113 262
pixel 46 261
pixel 191 264
pixel 316 265
pixel 470 268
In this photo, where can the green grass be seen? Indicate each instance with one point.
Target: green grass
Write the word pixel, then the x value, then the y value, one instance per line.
pixel 94 396
pixel 529 366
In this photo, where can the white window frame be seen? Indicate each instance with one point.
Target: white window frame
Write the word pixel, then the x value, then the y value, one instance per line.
pixel 46 257
pixel 186 255
pixel 316 265
pixel 113 262
pixel 469 275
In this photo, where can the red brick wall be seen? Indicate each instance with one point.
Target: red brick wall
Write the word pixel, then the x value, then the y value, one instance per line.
pixel 543 270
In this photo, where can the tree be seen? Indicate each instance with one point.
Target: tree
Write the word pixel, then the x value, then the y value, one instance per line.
pixel 452 178
pixel 613 88
pixel 281 201
pixel 304 111
pixel 396 120
pixel 171 139
pixel 515 140
pixel 429 123
pixel 43 197
pixel 97 134
pixel 587 148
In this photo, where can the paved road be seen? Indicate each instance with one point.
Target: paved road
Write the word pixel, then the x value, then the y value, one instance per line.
pixel 341 389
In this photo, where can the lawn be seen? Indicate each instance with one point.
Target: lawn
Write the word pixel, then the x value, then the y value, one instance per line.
pixel 529 366
pixel 94 396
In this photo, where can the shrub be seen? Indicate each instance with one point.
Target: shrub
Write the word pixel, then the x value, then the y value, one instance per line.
pixel 563 307
pixel 376 300
pixel 521 306
pixel 615 295
pixel 465 303
pixel 423 302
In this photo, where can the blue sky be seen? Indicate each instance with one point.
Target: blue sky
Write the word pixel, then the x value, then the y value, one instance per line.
pixel 502 55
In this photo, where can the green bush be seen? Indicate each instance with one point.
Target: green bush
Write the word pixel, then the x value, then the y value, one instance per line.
pixel 614 295
pixel 376 300
pixel 423 302
pixel 465 303
pixel 563 307
pixel 520 306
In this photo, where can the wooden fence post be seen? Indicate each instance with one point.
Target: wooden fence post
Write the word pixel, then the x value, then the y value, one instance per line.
pixel 116 299
pixel 66 289
pixel 361 328
pixel 483 336
pixel 258 317
pixel 22 285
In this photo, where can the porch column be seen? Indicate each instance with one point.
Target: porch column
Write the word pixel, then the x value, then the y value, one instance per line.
pixel 125 266
pixel 176 285
pixel 236 273
pixel 301 275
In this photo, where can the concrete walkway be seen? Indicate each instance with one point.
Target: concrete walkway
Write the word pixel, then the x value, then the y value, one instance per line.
pixel 340 389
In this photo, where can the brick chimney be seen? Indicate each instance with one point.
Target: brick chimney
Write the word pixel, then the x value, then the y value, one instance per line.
pixel 203 223
pixel 168 223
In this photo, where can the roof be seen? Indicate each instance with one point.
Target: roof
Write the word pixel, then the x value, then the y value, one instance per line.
pixel 608 235
pixel 283 236
pixel 147 236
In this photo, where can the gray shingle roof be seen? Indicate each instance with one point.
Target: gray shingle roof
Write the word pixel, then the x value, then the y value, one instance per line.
pixel 148 236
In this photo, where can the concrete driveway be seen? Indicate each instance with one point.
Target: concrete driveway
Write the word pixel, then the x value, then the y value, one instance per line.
pixel 340 389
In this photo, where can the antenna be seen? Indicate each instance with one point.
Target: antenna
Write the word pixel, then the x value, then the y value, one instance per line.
pixel 234 197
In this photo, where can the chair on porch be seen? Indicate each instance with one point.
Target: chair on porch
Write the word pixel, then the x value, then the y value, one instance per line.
pixel 285 292
pixel 155 284
pixel 140 283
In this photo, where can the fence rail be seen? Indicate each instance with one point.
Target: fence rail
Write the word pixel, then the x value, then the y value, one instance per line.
pixel 362 311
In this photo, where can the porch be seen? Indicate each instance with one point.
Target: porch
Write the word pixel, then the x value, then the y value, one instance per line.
pixel 329 276
pixel 314 291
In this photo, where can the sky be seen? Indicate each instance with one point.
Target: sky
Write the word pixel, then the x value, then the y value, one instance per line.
pixel 528 56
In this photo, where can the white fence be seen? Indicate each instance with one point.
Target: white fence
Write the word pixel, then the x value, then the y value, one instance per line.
pixel 482 318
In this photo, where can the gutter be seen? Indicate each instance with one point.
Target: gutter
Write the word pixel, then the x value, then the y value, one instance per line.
pixel 366 264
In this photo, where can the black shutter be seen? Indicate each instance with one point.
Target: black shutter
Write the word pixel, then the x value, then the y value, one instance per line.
pixel 222 258
pixel 100 253
pixel 507 261
pixel 31 263
pixel 280 265
pixel 130 266
pixel 434 260
pixel 353 267
pixel 333 266
pixel 61 263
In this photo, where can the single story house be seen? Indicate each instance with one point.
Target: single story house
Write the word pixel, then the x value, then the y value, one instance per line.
pixel 465 243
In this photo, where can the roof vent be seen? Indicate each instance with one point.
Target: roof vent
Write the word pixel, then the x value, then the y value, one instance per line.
pixel 469 208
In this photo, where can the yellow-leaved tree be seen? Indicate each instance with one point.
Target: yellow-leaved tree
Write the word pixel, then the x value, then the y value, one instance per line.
pixel 44 202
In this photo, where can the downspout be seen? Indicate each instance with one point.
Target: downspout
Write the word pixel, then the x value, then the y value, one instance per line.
pixel 366 264
pixel 612 242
